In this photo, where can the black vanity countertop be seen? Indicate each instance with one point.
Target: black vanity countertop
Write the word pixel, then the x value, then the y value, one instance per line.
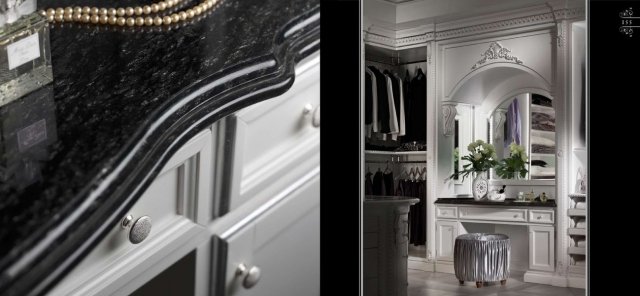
pixel 122 101
pixel 508 202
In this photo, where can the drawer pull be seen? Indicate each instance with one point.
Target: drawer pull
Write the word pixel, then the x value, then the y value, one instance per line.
pixel 515 216
pixel 307 109
pixel 539 217
pixel 251 275
pixel 138 230
pixel 316 117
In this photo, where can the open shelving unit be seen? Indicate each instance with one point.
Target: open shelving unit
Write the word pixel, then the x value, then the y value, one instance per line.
pixel 577 232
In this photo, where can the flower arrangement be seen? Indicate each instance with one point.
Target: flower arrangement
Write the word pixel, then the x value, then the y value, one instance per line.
pixel 481 158
pixel 514 165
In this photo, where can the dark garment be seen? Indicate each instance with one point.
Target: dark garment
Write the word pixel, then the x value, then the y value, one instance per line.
pixel 408 118
pixel 418 110
pixel 368 184
pixel 378 184
pixel 383 100
pixel 418 214
pixel 395 88
pixel 388 184
pixel 368 99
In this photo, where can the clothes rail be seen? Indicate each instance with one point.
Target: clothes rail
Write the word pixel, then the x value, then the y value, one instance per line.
pixel 402 161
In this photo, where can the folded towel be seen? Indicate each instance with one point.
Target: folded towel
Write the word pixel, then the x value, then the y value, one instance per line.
pixel 581 205
pixel 581 224
pixel 542 141
pixel 581 243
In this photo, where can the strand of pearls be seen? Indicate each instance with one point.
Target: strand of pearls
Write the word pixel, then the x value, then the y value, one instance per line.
pixel 129 16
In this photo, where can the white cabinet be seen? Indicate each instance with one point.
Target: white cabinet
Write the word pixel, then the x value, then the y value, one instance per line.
pixel 541 248
pixel 446 232
pixel 276 253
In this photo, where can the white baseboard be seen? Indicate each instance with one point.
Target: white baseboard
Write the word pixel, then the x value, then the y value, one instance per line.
pixel 540 278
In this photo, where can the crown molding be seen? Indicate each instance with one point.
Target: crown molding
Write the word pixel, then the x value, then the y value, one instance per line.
pixel 399 39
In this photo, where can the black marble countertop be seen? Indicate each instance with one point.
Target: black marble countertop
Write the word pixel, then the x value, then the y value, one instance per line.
pixel 508 202
pixel 122 101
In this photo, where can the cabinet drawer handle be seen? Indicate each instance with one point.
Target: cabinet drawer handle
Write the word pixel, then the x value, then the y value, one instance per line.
pixel 139 230
pixel 515 216
pixel 316 117
pixel 539 217
pixel 251 275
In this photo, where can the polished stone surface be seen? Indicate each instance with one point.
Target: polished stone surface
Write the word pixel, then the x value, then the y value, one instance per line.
pixel 509 202
pixel 424 283
pixel 73 154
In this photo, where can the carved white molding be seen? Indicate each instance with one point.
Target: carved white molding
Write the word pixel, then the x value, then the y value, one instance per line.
pixel 561 34
pixel 466 30
pixel 496 51
pixel 499 117
pixel 449 114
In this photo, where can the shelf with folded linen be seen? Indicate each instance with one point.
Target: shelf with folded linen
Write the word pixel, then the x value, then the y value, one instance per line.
pixel 577 264
pixel 543 166
pixel 576 231
pixel 577 251
pixel 576 212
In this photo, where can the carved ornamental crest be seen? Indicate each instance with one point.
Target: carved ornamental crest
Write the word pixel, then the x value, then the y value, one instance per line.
pixel 496 51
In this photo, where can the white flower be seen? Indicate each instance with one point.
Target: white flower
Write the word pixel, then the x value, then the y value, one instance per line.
pixel 477 156
pixel 524 157
pixel 494 155
pixel 479 142
pixel 471 147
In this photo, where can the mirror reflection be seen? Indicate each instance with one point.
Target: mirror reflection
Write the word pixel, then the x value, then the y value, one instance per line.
pixel 522 129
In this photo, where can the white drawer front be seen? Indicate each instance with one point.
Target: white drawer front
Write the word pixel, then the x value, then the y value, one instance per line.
pixel 275 137
pixel 447 212
pixel 170 203
pixel 541 216
pixel 494 214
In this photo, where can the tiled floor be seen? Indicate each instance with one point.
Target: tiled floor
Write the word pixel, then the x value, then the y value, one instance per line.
pixel 422 283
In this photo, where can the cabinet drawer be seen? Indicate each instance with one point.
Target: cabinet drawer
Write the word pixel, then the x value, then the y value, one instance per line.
pixel 494 214
pixel 447 212
pixel 541 216
pixel 170 204
pixel 272 138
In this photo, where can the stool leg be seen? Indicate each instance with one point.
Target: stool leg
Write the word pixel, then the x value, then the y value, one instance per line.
pixel 503 282
pixel 461 282
pixel 478 284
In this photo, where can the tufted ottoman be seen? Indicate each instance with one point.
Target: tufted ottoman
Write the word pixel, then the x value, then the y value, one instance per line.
pixel 482 257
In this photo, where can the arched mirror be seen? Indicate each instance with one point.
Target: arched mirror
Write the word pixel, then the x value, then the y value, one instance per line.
pixel 523 126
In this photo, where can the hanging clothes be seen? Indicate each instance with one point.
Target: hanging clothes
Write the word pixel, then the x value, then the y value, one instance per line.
pixel 418 215
pixel 513 124
pixel 409 121
pixel 378 184
pixel 373 89
pixel 383 100
pixel 368 184
pixel 401 115
pixel 388 184
pixel 419 106
pixel 393 119
pixel 368 102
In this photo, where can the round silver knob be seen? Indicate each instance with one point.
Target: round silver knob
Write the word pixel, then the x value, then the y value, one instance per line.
pixel 515 216
pixel 539 217
pixel 251 275
pixel 307 109
pixel 316 117
pixel 140 229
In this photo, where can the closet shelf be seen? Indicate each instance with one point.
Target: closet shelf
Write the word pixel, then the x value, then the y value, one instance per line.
pixel 543 154
pixel 577 231
pixel 579 269
pixel 577 212
pixel 577 195
pixel 577 251
pixel 379 152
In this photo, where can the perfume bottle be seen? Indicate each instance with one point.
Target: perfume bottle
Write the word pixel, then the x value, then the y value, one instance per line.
pixel 25 57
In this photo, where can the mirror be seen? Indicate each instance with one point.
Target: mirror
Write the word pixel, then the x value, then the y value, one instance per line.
pixel 527 120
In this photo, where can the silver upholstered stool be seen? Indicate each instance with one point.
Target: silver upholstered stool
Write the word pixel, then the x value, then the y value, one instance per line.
pixel 482 257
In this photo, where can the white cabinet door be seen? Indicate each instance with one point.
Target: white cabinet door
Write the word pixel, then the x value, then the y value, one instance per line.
pixel 279 249
pixel 446 232
pixel 541 248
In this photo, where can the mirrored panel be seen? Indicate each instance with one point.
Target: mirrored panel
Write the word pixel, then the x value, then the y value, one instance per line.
pixel 522 129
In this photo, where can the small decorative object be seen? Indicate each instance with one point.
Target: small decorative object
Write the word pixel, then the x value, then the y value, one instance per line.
pixel 497 195
pixel 520 196
pixel 480 159
pixel 530 196
pixel 581 181
pixel 514 166
pixel 543 197
pixel 25 58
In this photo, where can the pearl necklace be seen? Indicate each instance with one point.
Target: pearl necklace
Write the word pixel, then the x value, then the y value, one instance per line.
pixel 116 16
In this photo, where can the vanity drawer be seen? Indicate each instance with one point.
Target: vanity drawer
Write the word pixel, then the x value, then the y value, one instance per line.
pixel 272 138
pixel 541 216
pixel 447 212
pixel 170 205
pixel 494 214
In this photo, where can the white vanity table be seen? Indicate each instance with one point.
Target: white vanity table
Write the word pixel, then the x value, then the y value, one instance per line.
pixel 452 214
